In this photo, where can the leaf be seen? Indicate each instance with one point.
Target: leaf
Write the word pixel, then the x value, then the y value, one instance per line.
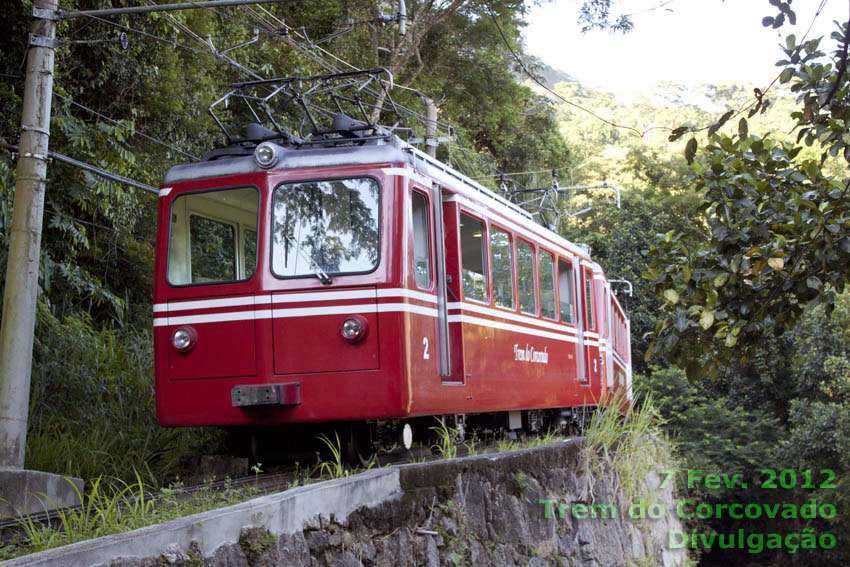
pixel 677 133
pixel 776 263
pixel 694 371
pixel 767 21
pixel 813 282
pixel 691 150
pixel 786 75
pixel 671 295
pixel 743 129
pixel 707 320
pixel 713 129
pixel 721 280
pixel 726 116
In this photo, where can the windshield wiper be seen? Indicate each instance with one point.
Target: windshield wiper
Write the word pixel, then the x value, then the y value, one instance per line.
pixel 319 272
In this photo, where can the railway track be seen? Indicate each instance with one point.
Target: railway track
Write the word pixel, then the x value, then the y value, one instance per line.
pixel 280 478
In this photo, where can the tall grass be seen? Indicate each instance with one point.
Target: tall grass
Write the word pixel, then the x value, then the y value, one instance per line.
pixel 627 446
pixel 446 445
pixel 111 507
pixel 92 407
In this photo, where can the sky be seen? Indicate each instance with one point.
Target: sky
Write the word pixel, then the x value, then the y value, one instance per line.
pixel 685 41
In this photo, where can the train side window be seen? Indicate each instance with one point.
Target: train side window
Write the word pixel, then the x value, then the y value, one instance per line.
pixel 546 276
pixel 421 241
pixel 213 237
pixel 503 268
pixel 474 258
pixel 588 287
pixel 525 277
pixel 565 289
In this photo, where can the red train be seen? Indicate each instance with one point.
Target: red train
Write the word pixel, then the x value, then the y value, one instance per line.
pixel 359 281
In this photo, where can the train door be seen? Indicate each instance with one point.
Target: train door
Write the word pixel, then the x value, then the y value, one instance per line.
pixel 451 292
pixel 608 354
pixel 581 355
pixel 591 331
pixel 468 289
pixel 429 276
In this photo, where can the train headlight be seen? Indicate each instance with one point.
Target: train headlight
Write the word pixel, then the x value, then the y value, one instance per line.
pixel 184 339
pixel 266 155
pixel 354 328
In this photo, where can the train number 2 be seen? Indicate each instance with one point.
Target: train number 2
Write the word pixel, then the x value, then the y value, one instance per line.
pixel 425 354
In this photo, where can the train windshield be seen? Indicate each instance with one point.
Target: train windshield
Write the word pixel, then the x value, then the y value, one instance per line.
pixel 325 227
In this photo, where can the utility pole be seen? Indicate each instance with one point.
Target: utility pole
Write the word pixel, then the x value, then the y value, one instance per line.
pixel 18 487
pixel 430 127
pixel 19 298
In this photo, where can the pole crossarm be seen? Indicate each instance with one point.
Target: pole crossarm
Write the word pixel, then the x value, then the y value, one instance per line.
pixel 71 14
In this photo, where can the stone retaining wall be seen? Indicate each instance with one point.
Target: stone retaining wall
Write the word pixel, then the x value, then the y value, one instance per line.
pixel 484 510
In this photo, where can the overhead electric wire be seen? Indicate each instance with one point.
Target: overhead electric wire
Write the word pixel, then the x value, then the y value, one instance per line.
pixel 267 28
pixel 542 85
pixel 104 227
pixel 93 169
pixel 130 128
pixel 171 42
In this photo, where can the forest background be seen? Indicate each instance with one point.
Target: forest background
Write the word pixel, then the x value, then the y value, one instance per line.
pixel 733 226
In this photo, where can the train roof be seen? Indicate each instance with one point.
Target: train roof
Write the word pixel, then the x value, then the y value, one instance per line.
pixel 384 149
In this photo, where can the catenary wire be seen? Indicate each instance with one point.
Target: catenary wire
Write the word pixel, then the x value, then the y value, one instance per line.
pixel 130 128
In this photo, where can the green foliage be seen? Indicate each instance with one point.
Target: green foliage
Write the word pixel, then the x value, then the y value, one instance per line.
pixel 447 439
pixel 92 406
pixel 334 467
pixel 617 236
pixel 778 223
pixel 711 432
pixel 115 506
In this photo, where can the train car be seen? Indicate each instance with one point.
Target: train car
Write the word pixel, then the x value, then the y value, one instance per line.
pixel 359 281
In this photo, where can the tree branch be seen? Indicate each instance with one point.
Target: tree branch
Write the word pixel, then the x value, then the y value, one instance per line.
pixel 842 67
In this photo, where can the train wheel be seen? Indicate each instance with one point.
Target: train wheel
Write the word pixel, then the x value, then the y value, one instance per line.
pixel 359 449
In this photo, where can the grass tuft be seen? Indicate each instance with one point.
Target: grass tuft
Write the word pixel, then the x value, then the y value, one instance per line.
pixel 445 446
pixel 627 445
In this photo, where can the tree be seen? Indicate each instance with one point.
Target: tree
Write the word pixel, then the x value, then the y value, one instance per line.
pixel 779 225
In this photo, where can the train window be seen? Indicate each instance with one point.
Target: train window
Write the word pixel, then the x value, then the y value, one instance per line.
pixel 588 287
pixel 325 227
pixel 213 237
pixel 525 277
pixel 249 243
pixel 421 241
pixel 474 258
pixel 565 290
pixel 546 276
pixel 213 249
pixel 503 268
